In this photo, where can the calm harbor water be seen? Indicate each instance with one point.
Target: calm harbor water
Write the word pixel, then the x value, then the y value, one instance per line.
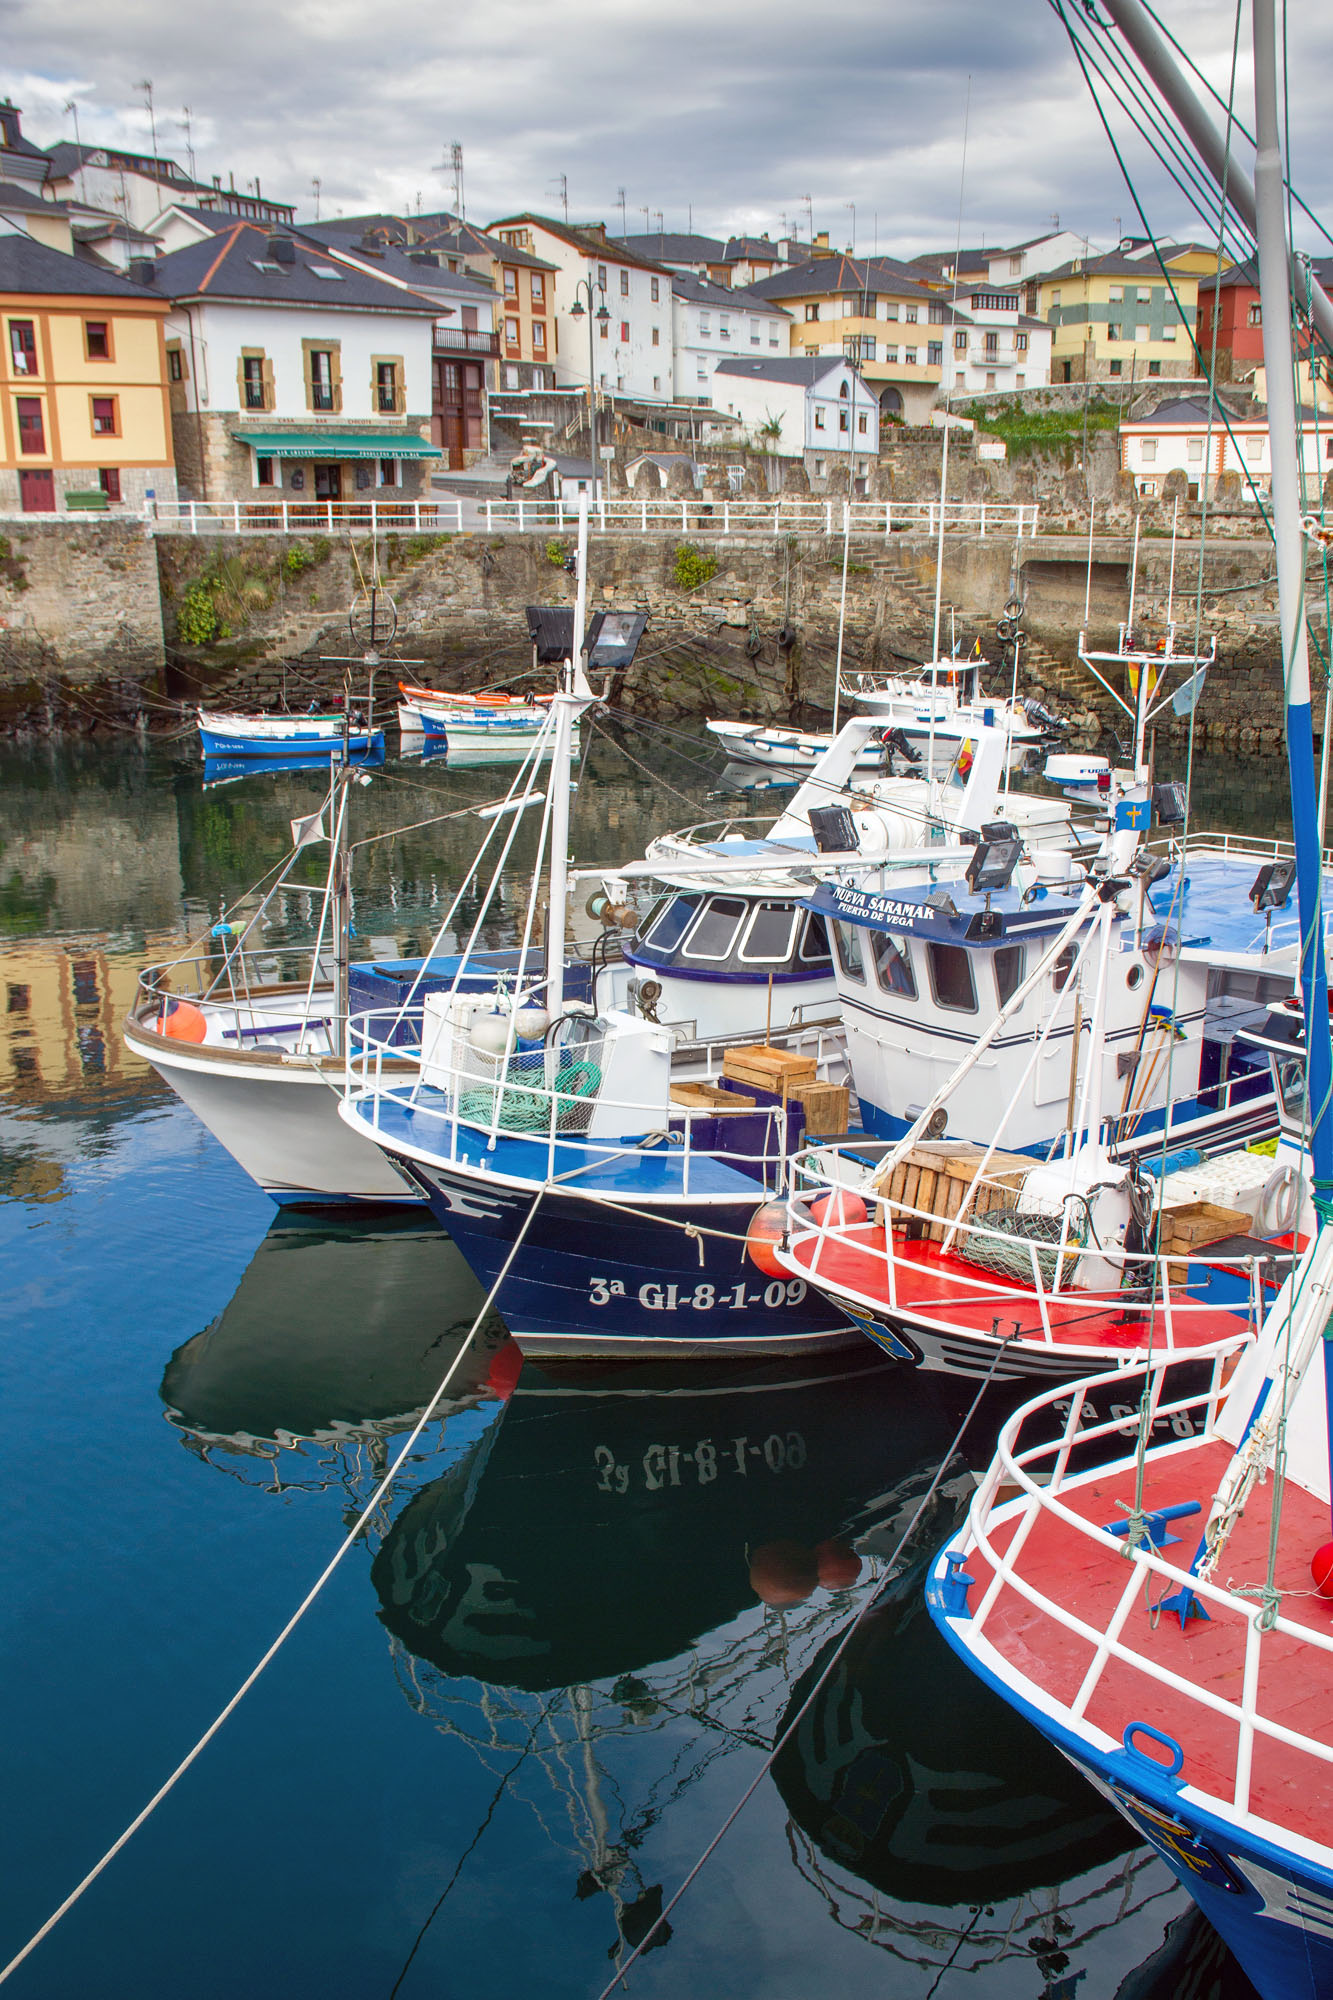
pixel 594 1599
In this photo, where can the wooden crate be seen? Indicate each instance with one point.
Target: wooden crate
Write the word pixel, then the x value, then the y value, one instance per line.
pixel 1192 1224
pixel 768 1068
pixel 935 1175
pixel 709 1097
pixel 827 1106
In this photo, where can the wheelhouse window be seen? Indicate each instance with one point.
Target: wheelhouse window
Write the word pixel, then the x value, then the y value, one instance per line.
pixel 714 932
pixel 814 942
pixel 893 964
pixel 951 978
pixel 1010 961
pixel 667 924
pixel 770 934
pixel 847 938
pixel 1062 970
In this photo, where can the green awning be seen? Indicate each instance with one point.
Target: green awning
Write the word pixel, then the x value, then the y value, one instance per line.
pixel 338 444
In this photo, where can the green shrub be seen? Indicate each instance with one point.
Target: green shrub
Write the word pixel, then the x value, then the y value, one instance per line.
pixel 693 567
pixel 556 554
pixel 197 618
pixel 296 560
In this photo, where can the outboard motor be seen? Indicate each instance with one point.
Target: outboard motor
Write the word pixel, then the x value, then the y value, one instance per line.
pixel 897 745
pixel 1041 717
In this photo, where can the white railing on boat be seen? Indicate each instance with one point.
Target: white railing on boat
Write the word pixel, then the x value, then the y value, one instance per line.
pixel 1148 1287
pixel 453 514
pixel 1042 1473
pixel 518 1095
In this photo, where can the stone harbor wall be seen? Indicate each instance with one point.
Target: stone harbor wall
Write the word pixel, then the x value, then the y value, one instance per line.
pixel 101 625
pixel 81 639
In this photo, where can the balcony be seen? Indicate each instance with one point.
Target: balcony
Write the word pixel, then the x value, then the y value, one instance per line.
pixel 459 340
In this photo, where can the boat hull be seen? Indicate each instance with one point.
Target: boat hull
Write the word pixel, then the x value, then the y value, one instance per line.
pixel 218 742
pixel 1273 1908
pixel 278 1121
pixel 591 1280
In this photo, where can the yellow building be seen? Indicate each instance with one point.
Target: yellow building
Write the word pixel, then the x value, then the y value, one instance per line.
pixel 84 416
pixel 888 318
pixel 1113 317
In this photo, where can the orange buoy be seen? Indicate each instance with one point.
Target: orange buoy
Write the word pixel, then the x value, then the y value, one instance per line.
pixel 182 1022
pixel 783 1573
pixel 838 1566
pixel 839 1210
pixel 1321 1569
pixel 766 1229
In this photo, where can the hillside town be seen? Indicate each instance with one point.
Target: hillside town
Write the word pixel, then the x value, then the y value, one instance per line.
pixel 170 340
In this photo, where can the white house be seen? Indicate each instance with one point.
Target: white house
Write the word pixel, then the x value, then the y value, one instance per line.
pixel 993 345
pixel 292 373
pixel 1178 437
pixel 713 323
pixel 1010 268
pixel 812 407
pixel 631 316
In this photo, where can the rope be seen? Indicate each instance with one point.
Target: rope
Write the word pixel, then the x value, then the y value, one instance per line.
pixel 767 1765
pixel 353 1535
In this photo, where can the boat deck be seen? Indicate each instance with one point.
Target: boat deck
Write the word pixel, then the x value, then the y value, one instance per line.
pixel 621 1168
pixel 1288 1787
pixel 936 1288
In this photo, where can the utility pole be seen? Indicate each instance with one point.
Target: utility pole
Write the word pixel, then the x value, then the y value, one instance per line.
pixel 147 88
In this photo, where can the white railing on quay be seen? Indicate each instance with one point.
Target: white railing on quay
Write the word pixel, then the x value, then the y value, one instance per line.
pixel 623 516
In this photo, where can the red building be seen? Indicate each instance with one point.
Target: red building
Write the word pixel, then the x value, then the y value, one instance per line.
pixel 1233 299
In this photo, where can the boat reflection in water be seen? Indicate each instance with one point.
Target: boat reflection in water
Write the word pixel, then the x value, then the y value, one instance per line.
pixel 336 1338
pixel 953 1841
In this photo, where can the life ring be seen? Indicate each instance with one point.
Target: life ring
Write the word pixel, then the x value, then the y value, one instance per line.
pixel 1005 630
pixel 1279 1203
pixel 786 637
pixel 1014 608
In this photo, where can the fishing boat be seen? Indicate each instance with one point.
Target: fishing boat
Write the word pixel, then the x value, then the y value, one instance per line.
pixel 468 725
pixel 939 709
pixel 797 750
pixel 265 735
pixel 1160 1610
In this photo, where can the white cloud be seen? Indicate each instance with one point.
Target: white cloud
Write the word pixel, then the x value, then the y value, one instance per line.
pixel 720 109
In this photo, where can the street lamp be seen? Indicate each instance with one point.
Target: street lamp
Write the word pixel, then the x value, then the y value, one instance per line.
pixel 603 319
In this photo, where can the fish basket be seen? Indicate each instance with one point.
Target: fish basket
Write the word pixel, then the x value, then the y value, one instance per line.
pixel 524 1096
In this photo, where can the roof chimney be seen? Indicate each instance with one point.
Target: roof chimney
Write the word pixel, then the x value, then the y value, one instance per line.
pixel 281 250
pixel 142 271
pixel 9 123
pixel 821 244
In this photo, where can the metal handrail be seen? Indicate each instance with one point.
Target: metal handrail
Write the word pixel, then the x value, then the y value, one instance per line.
pixel 1012 1466
pixel 1163 1297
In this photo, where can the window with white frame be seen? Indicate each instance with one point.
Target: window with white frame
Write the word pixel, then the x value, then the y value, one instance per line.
pixel 1142 333
pixel 1194 450
pixel 1116 294
pixel 1148 450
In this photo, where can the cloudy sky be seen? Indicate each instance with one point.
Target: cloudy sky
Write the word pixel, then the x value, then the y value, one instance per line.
pixel 728 113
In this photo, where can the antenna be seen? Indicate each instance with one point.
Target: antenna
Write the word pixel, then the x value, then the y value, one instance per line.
pixel 147 88
pixel 184 122
pixel 561 182
pixel 316 183
pixel 624 225
pixel 456 169
pixel 71 105
pixel 1055 220
pixel 809 218
pixel 658 213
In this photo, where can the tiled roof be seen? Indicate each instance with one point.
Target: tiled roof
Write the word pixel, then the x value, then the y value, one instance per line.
pixel 682 249
pixel 224 267
pixel 796 368
pixel 14 197
pixel 589 242
pixel 704 292
pixel 823 276
pixel 29 266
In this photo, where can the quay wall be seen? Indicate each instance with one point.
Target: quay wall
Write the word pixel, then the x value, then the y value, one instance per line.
pixel 103 624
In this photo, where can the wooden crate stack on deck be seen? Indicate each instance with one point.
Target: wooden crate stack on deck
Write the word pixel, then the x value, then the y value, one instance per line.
pixel 791 1078
pixel 935 1175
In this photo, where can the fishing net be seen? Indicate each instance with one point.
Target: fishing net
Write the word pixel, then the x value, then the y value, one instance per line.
pixel 1005 1249
pixel 574 1091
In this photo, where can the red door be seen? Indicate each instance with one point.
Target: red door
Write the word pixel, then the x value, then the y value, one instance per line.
pixel 37 490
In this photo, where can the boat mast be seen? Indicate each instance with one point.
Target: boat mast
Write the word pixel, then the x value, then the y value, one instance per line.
pixel 339 906
pixel 1289 547
pixel 572 698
